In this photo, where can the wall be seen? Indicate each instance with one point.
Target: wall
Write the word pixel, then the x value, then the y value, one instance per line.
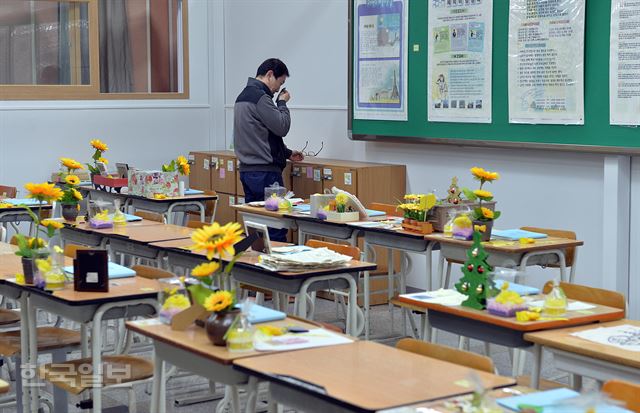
pixel 34 134
pixel 546 189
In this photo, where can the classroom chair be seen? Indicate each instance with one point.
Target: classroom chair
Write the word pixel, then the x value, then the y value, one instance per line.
pixel 150 216
pixel 452 355
pixel 196 224
pixel 71 250
pixel 624 391
pixel 570 255
pixel 211 208
pixel 8 191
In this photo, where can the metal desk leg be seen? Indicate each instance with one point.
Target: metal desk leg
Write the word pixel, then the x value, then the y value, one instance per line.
pixel 537 366
pixel 367 292
pixel 252 395
pixel 25 353
pixel 33 353
pixel 84 341
pixel 158 396
pixel 572 274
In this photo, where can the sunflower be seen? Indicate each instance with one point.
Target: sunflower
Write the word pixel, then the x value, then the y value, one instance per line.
pixel 43 192
pixel 181 160
pixel 36 243
pixel 481 193
pixel 76 194
pixel 206 269
pixel 184 169
pixel 72 179
pixel 218 301
pixel 487 213
pixel 103 160
pixel 51 224
pixel 99 145
pixel 71 164
pixel 216 240
pixel 482 175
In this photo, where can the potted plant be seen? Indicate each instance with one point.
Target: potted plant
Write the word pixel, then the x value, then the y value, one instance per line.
pixel 218 243
pixel 180 165
pixel 99 148
pixel 415 210
pixel 71 197
pixel 481 216
pixel 31 248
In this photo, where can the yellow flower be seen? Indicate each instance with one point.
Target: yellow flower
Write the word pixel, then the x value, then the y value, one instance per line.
pixel 71 164
pixel 76 194
pixel 99 145
pixel 5 205
pixel 44 265
pixel 182 160
pixel 218 301
pixel 103 160
pixel 184 169
pixel 206 269
pixel 216 240
pixel 481 193
pixel 72 179
pixel 271 330
pixel 487 213
pixel 480 228
pixel 51 224
pixel 43 192
pixel 35 243
pixel 483 175
pixel 176 301
pixel 341 199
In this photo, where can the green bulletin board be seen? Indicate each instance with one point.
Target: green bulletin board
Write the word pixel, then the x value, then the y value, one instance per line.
pixel 595 135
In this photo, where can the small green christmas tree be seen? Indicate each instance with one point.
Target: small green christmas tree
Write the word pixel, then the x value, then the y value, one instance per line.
pixel 453 193
pixel 476 283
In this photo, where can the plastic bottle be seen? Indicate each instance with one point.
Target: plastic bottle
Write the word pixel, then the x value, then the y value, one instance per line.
pixel 555 302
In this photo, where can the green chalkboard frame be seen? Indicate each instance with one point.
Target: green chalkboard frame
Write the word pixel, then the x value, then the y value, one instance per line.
pixel 596 135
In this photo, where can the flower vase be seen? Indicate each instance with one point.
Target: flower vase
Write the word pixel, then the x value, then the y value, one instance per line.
pixel 218 324
pixel 70 212
pixel 487 225
pixel 29 269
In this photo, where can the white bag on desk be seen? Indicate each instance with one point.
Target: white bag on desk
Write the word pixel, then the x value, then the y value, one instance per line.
pixel 319 201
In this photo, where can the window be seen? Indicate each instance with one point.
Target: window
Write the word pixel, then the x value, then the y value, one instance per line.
pixel 93 49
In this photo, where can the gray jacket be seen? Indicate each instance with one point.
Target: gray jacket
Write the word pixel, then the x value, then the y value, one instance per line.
pixel 258 128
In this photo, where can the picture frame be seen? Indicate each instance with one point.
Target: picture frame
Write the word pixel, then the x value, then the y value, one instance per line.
pixel 123 169
pixel 102 167
pixel 91 271
pixel 260 232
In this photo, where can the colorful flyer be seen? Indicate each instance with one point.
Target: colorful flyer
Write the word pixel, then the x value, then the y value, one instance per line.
pixel 380 59
pixel 459 61
pixel 546 61
pixel 624 75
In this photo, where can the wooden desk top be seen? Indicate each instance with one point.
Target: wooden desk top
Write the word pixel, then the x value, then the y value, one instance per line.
pixel 142 231
pixel 6 248
pixel 195 340
pixel 370 376
pixel 84 226
pixel 11 264
pixel 446 405
pixel 548 243
pixel 258 211
pixel 16 208
pixel 600 313
pixel 563 340
pixel 193 197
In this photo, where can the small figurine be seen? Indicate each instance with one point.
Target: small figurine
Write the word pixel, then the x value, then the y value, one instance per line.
pixel 453 193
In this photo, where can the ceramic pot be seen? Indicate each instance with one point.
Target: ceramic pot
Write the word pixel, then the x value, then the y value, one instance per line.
pixel 70 212
pixel 486 235
pixel 218 324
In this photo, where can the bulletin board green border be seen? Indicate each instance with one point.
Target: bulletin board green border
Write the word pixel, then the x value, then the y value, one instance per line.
pixel 596 135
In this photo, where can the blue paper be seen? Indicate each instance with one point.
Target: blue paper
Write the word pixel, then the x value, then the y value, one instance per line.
pixel 115 271
pixel 302 208
pixel 543 398
pixel 260 314
pixel 131 218
pixel 193 192
pixel 23 201
pixel 374 213
pixel 518 288
pixel 516 234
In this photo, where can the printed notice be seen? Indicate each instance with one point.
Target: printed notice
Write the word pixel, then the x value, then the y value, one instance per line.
pixel 624 75
pixel 546 61
pixel 459 63
pixel 380 59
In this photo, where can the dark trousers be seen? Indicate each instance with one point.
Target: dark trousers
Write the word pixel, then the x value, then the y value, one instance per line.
pixel 254 184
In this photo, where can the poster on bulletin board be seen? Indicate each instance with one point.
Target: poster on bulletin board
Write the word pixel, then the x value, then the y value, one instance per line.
pixel 546 61
pixel 624 75
pixel 459 62
pixel 380 59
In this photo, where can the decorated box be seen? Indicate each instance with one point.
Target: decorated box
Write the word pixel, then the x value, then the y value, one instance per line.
pixel 153 184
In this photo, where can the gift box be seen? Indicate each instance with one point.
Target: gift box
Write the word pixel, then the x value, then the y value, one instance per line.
pixel 439 214
pixel 152 184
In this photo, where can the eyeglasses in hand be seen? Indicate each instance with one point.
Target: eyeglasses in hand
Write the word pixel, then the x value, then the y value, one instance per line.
pixel 310 153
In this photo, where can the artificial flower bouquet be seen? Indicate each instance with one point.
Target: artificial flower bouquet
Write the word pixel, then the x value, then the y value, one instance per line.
pixel 415 210
pixel 99 149
pixel 339 209
pixel 482 216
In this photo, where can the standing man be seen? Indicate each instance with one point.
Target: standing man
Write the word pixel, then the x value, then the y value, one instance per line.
pixel 259 126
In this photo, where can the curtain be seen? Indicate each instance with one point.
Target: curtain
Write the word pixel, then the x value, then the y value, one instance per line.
pixel 115 49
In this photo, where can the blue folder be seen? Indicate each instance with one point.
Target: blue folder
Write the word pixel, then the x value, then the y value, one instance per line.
pixel 132 218
pixel 553 402
pixel 193 192
pixel 516 234
pixel 260 314
pixel 115 271
pixel 374 213
pixel 21 201
pixel 518 288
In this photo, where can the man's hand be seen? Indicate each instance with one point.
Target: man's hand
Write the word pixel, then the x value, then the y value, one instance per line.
pixel 296 156
pixel 283 95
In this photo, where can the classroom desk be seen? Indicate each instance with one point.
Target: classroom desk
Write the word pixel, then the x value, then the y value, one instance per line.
pixel 583 357
pixel 298 284
pixel 19 214
pixel 81 233
pixel 260 215
pixel 191 350
pixel 127 297
pixel 166 207
pixel 550 250
pixel 360 377
pixel 7 249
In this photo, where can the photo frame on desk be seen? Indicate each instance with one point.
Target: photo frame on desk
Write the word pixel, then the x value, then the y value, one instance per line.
pixel 260 235
pixel 102 167
pixel 90 271
pixel 123 169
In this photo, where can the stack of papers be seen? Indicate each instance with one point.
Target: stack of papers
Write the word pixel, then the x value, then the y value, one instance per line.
pixel 443 297
pixel 22 201
pixel 516 234
pixel 305 260
pixel 559 401
pixel 625 336
pixel 313 338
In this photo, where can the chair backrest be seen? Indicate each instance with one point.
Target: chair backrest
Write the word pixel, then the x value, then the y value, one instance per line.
pixel 8 191
pixel 444 353
pixel 151 273
pixel 149 216
pixel 569 254
pixel 624 391
pixel 3 234
pixel 353 252
pixel 196 224
pixel 590 294
pixel 14 240
pixel 71 250
pixel 389 209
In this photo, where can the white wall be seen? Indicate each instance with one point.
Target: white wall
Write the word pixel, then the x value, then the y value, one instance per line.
pixel 34 134
pixel 537 188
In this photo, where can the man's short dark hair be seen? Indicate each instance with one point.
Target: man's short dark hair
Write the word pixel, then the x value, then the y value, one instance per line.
pixel 277 65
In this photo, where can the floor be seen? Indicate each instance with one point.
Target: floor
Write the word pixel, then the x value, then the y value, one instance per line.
pixel 180 390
